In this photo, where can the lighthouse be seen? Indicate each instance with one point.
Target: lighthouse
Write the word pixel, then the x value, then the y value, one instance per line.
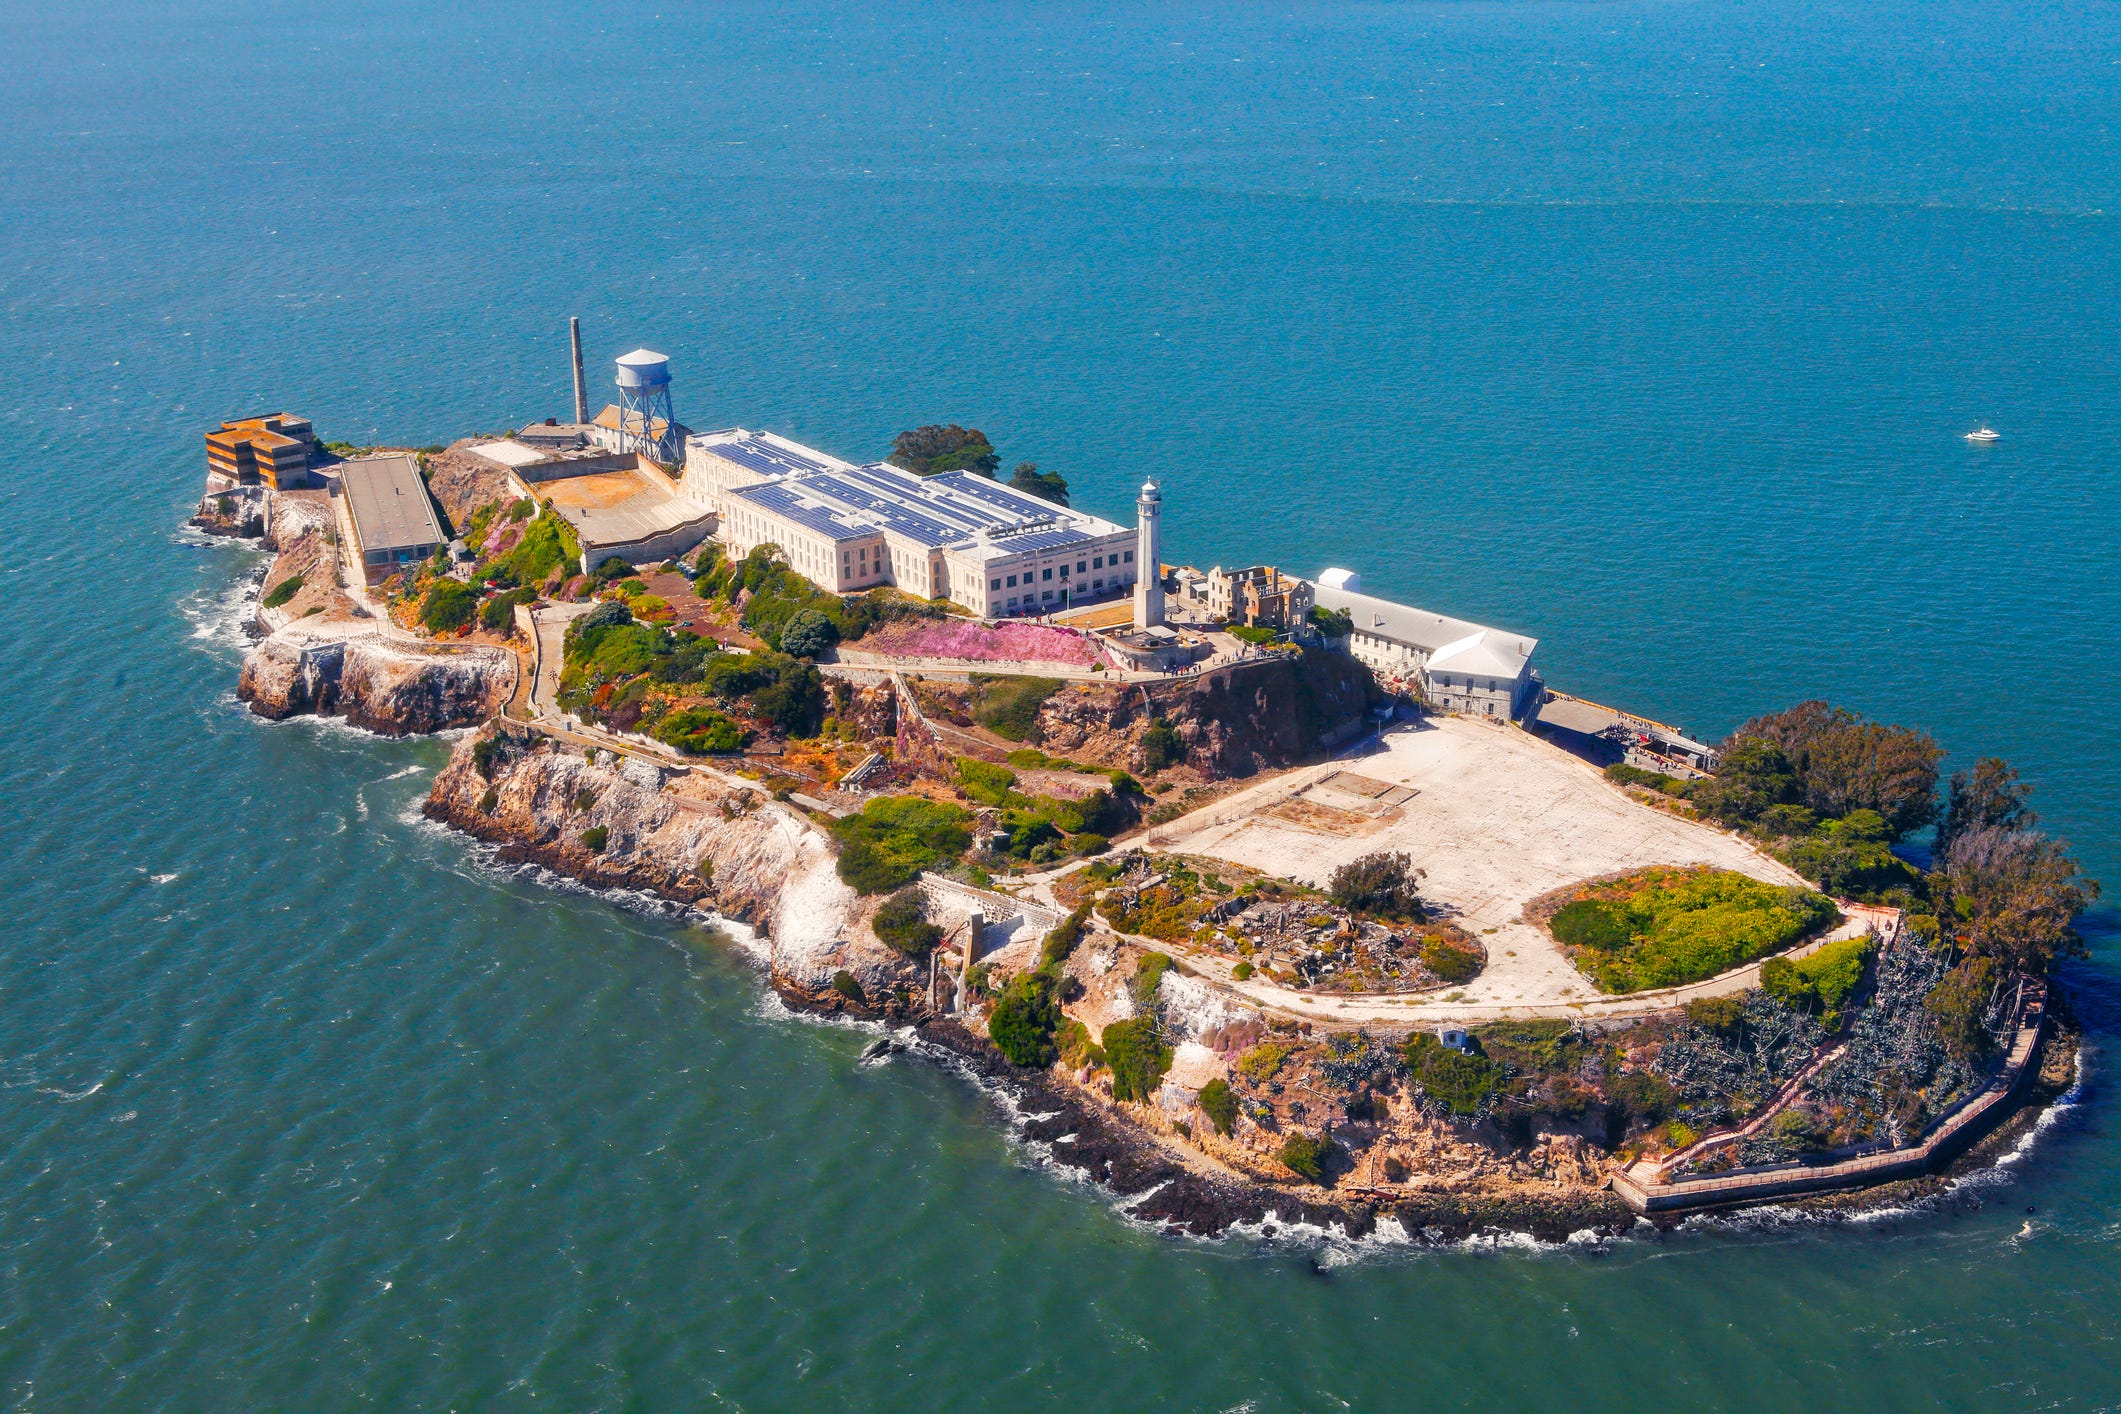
pixel 1148 558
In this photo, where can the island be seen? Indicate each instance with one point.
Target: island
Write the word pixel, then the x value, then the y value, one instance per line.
pixel 1268 903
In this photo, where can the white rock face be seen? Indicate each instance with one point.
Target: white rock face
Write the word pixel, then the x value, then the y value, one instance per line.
pixel 350 670
pixel 700 837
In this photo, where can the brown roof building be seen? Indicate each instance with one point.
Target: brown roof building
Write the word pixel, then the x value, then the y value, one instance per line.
pixel 271 451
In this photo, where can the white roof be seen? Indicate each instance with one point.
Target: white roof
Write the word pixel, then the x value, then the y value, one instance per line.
pixel 1453 645
pixel 1486 654
pixel 510 454
pixel 1341 579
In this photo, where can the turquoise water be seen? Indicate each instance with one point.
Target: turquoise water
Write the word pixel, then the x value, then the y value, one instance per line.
pixel 1646 328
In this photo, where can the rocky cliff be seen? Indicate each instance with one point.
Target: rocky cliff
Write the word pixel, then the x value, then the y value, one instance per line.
pixel 347 669
pixel 694 837
pixel 1253 716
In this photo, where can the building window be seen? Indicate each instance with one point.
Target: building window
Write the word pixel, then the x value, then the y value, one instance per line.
pixel 1049 575
pixel 1064 572
pixel 1097 584
pixel 1012 585
pixel 1080 566
pixel 1046 593
pixel 1130 557
pixel 1098 563
pixel 996 584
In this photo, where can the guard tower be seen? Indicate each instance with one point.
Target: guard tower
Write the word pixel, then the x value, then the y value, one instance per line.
pixel 1148 558
pixel 646 424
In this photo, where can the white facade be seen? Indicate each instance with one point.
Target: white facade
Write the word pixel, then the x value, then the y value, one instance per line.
pixel 957 536
pixel 1148 549
pixel 1458 666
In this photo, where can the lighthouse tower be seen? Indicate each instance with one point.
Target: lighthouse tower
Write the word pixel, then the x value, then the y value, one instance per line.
pixel 1148 558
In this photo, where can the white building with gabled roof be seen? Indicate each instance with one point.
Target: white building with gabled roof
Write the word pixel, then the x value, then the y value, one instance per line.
pixel 1458 666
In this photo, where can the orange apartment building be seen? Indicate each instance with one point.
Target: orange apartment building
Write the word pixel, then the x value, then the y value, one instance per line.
pixel 269 451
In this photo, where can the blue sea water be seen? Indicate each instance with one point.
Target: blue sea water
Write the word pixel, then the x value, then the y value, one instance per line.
pixel 1646 328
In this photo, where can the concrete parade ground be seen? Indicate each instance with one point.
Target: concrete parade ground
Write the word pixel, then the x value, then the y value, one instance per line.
pixel 1494 818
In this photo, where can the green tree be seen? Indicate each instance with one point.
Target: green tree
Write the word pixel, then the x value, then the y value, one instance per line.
pixel 1843 763
pixel 1023 1021
pixel 1219 1103
pixel 1161 745
pixel 1382 883
pixel 1959 1006
pixel 1752 776
pixel 2013 897
pixel 808 634
pixel 1046 485
pixel 935 449
pixel 1990 797
pixel 1306 1156
pixel 1138 1057
pixel 902 926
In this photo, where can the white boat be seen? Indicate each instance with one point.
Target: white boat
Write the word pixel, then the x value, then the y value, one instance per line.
pixel 1983 434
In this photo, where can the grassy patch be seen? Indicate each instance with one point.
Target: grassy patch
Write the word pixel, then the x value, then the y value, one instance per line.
pixel 1665 927
pixel 285 590
pixel 1008 706
pixel 894 838
pixel 1821 982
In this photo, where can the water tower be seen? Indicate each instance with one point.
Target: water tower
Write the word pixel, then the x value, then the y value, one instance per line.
pixel 646 424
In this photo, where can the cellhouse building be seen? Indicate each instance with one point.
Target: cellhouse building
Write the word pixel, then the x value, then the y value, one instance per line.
pixel 957 536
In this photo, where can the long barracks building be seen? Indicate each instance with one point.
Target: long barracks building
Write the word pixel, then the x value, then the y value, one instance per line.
pixel 956 536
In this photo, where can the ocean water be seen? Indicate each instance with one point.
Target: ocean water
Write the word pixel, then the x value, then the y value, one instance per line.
pixel 1646 328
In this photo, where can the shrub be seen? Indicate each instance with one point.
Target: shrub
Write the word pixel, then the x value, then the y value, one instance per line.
pixel 1060 944
pixel 1008 706
pixel 1023 1021
pixel 984 781
pixel 1641 1095
pixel 1242 971
pixel 1075 1045
pixel 1138 1057
pixel 1257 636
pixel 488 799
pixel 848 986
pixel 1148 976
pixel 1685 925
pixel 1378 883
pixel 1592 923
pixel 1305 1156
pixel 1161 746
pixel 497 615
pixel 901 926
pixel 1451 964
pixel 1260 1063
pixel 700 731
pixel 1464 1085
pixel 280 593
pixel 1087 844
pixel 808 634
pixel 894 838
pixel 450 604
pixel 1622 774
pixel 595 838
pixel 484 752
pixel 1219 1104
pixel 1821 982
pixel 1718 1014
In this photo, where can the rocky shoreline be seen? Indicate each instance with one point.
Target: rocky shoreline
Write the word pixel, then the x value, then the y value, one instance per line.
pixel 321 652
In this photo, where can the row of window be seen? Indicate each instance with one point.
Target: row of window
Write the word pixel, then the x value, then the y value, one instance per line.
pixel 1081 567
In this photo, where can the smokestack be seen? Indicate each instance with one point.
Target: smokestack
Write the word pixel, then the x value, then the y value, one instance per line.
pixel 581 389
